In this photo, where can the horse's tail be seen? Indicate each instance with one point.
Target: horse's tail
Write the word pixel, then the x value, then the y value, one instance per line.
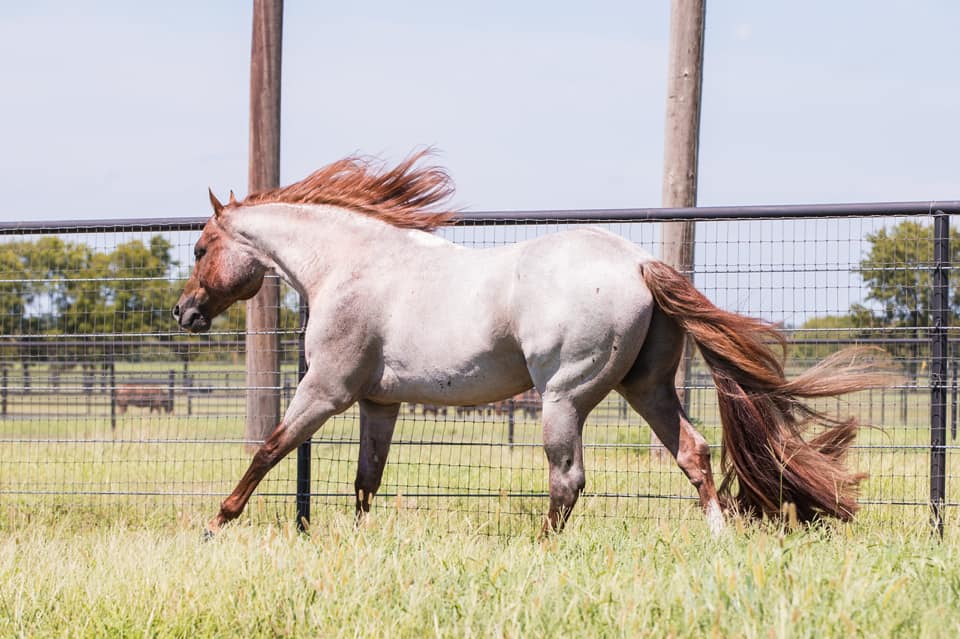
pixel 763 417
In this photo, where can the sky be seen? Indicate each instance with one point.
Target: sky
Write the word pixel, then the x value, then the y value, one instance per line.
pixel 132 109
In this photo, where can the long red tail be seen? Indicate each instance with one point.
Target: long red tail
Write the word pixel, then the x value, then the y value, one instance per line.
pixel 763 415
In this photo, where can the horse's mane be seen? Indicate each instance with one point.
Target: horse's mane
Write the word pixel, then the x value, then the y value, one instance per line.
pixel 403 196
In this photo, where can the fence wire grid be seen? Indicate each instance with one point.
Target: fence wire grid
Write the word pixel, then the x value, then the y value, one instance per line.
pixel 106 407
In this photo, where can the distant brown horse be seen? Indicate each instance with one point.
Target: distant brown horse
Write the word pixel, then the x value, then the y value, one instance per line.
pixel 436 409
pixel 400 315
pixel 152 396
pixel 528 403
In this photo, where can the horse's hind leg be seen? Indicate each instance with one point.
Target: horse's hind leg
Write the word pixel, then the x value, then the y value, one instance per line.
pixel 649 389
pixel 563 444
pixel 377 422
pixel 661 408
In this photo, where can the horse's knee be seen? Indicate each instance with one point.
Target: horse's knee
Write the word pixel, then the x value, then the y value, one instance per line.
pixel 577 482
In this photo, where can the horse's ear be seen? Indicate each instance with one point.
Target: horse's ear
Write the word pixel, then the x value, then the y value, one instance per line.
pixel 233 198
pixel 215 203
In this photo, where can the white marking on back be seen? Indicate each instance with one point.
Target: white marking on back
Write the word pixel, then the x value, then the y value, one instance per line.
pixel 429 239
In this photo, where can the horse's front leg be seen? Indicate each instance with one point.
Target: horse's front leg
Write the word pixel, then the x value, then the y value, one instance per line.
pixel 315 401
pixel 377 422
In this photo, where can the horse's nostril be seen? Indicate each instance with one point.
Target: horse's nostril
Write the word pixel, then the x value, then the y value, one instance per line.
pixel 176 311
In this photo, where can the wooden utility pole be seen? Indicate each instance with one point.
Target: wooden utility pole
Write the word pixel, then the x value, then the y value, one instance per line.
pixel 263 310
pixel 681 143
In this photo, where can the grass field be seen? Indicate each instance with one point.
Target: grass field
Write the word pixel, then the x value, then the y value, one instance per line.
pixel 399 575
pixel 58 448
pixel 100 533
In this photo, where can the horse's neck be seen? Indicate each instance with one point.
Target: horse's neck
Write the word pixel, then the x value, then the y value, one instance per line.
pixel 305 243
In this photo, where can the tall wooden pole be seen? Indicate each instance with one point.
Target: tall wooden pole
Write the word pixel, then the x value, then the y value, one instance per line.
pixel 263 310
pixel 681 144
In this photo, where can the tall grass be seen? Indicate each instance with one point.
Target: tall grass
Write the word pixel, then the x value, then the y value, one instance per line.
pixel 117 552
pixel 400 576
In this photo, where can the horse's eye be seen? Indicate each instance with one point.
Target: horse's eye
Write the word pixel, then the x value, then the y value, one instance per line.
pixel 199 252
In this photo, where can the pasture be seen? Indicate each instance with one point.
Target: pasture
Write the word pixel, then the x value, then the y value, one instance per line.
pixel 101 532
pixel 59 451
pixel 403 574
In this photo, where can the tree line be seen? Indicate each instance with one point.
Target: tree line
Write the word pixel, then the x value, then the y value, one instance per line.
pixel 898 274
pixel 54 287
pixel 51 286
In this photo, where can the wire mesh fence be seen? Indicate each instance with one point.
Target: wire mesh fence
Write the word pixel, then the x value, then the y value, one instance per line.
pixel 106 407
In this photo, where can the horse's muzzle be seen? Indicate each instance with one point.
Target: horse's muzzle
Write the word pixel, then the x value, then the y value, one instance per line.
pixel 190 318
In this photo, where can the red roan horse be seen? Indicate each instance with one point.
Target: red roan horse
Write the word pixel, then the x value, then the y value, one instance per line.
pixel 575 314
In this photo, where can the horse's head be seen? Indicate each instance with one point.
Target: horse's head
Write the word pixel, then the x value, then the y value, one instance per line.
pixel 225 271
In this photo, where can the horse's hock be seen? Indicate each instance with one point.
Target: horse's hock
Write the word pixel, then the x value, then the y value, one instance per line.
pixel 105 405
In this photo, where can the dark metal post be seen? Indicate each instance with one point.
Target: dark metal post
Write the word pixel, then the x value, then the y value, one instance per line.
pixel 511 423
pixel 904 403
pixel 938 368
pixel 3 393
pixel 953 395
pixel 303 451
pixel 188 386
pixel 883 406
pixel 171 376
pixel 113 395
pixel 88 384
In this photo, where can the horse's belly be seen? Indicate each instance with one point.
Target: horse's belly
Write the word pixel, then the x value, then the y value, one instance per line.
pixel 483 378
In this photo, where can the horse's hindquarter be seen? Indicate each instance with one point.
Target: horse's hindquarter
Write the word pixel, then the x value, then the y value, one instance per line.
pixel 581 311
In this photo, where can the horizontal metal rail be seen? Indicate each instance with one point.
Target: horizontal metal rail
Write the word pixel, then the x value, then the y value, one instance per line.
pixel 411 495
pixel 569 216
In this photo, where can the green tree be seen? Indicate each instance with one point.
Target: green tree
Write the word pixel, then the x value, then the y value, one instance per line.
pixel 819 337
pixel 897 272
pixel 16 290
pixel 54 287
pixel 36 289
pixel 128 291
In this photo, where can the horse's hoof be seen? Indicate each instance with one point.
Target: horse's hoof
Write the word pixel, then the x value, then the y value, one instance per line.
pixel 715 519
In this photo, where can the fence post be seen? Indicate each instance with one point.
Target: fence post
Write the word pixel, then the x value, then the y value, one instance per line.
pixel 171 376
pixel 113 395
pixel 88 385
pixel 883 406
pixel 3 393
pixel 188 386
pixel 938 368
pixel 953 395
pixel 303 450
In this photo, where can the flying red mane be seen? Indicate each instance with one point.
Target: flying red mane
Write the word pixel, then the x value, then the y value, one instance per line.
pixel 406 195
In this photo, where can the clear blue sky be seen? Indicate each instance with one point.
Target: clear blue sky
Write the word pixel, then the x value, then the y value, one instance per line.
pixel 131 109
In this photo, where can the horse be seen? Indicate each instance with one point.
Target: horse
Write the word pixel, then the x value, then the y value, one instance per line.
pixel 574 314
pixel 145 395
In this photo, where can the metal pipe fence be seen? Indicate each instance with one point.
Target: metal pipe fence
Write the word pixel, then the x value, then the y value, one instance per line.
pixel 105 406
